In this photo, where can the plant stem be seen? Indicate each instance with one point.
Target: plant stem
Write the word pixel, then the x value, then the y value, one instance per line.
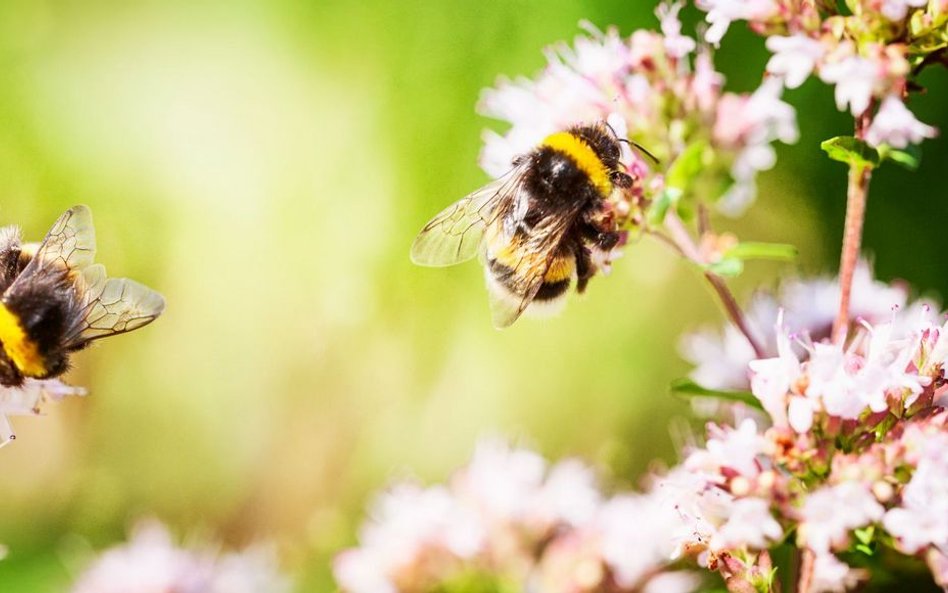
pixel 734 311
pixel 685 245
pixel 805 576
pixel 856 194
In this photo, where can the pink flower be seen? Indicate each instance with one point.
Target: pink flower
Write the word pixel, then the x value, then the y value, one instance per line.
pixel 151 563
pixel 832 576
pixel 750 523
pixel 634 532
pixel 735 449
pixel 922 518
pixel 831 512
pixel 856 78
pixel 500 481
pixel 895 10
pixel 676 44
pixel 721 13
pixel 772 377
pixel 896 126
pixel 794 57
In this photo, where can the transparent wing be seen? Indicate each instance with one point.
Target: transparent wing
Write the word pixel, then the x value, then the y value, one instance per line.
pixel 455 234
pixel 70 243
pixel 536 252
pixel 9 256
pixel 113 306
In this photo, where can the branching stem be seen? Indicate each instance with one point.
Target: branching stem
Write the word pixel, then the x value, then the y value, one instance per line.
pixel 685 245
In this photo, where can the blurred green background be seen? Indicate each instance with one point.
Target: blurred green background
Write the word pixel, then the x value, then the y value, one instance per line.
pixel 265 164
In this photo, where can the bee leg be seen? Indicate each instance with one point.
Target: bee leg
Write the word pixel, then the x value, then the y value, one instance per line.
pixel 584 266
pixel 602 236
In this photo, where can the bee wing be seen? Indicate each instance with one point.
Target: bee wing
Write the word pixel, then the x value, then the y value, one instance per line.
pixel 455 234
pixel 70 243
pixel 113 306
pixel 537 251
pixel 9 255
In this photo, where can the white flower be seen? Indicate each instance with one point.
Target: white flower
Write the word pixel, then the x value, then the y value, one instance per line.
pixel 896 126
pixel 29 400
pixel 772 377
pixel 750 523
pixel 895 10
pixel 151 563
pixel 832 576
pixel 699 505
pixel 148 563
pixel 721 13
pixel 856 79
pixel 362 570
pixel 500 481
pixel 800 413
pixel 253 570
pixel 922 519
pixel 674 582
pixel 794 57
pixel 736 449
pixel 634 535
pixel 753 122
pixel 676 44
pixel 407 519
pixel 831 512
pixel 568 496
pixel 720 362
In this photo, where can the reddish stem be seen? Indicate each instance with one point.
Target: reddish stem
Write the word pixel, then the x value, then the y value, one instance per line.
pixel 856 194
pixel 805 577
pixel 681 239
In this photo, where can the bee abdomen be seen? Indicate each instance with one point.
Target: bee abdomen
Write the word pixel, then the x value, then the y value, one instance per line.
pixel 556 281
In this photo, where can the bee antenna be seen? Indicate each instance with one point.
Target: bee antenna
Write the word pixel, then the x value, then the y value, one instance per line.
pixel 641 149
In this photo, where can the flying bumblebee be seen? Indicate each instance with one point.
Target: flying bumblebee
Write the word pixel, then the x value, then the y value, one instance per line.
pixel 54 300
pixel 538 228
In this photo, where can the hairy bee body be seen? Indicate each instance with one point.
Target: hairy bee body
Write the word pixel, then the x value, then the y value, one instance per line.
pixel 538 226
pixel 54 300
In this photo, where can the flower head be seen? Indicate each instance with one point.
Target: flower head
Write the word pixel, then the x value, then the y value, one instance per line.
pixel 896 126
pixel 151 563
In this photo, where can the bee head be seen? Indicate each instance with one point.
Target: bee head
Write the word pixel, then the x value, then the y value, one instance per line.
pixel 604 142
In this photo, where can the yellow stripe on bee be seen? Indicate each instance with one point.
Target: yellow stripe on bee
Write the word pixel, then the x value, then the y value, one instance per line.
pixel 585 158
pixel 20 349
pixel 560 269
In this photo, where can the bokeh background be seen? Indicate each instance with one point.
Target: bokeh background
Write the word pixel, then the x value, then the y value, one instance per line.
pixel 265 164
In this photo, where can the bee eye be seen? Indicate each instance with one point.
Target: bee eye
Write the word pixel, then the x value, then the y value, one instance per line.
pixel 620 179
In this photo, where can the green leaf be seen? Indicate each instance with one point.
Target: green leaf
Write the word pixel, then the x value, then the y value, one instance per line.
pixel 659 208
pixel 727 266
pixel 771 251
pixel 909 157
pixel 849 150
pixel 864 535
pixel 683 171
pixel 688 388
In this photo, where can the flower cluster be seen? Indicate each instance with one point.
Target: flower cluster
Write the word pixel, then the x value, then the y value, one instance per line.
pixel 870 53
pixel 850 453
pixel 509 519
pixel 661 91
pixel 151 563
pixel 808 307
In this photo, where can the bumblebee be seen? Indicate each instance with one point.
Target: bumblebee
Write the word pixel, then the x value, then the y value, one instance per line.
pixel 54 300
pixel 540 227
